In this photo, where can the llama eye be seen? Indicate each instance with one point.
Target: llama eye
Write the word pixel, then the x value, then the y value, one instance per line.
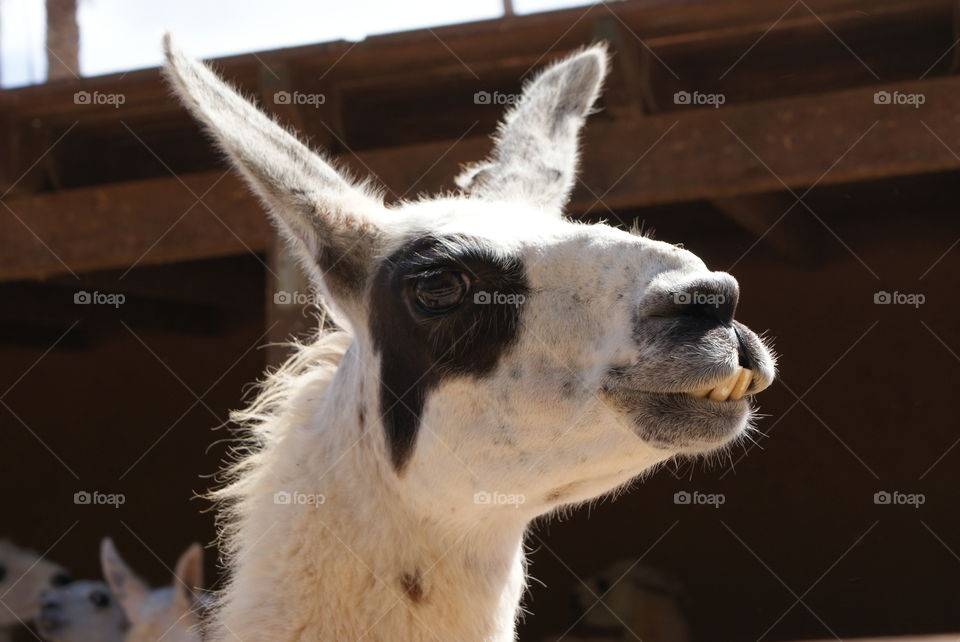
pixel 441 292
pixel 100 599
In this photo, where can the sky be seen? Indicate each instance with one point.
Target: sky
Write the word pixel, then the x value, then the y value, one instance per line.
pixel 119 35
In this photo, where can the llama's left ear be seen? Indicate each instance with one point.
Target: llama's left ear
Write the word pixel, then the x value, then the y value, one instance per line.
pixel 188 578
pixel 535 156
pixel 332 222
pixel 128 588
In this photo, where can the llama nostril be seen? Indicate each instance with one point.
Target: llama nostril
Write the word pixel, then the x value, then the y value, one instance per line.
pixel 712 298
pixel 743 355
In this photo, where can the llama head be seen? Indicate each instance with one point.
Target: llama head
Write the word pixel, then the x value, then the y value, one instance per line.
pixel 168 613
pixel 24 577
pixel 503 354
pixel 82 611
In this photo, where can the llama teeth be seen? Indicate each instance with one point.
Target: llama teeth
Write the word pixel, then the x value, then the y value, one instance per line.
pixel 722 392
pixel 743 382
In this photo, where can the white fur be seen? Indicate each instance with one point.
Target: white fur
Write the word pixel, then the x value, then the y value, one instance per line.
pixel 26 577
pixel 83 611
pixel 167 614
pixel 413 554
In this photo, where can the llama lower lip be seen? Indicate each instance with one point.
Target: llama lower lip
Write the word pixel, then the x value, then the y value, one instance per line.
pixel 681 422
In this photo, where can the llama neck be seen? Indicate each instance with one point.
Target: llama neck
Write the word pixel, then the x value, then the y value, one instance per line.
pixel 350 557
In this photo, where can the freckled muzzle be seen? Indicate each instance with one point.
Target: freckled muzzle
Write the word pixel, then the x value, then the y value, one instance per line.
pixel 690 386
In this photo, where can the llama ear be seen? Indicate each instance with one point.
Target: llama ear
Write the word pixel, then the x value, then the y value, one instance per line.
pixel 535 155
pixel 188 578
pixel 332 222
pixel 129 589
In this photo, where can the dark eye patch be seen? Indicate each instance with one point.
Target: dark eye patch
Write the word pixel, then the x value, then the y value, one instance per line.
pixel 419 350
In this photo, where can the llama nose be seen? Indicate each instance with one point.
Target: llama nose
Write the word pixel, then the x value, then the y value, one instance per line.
pixel 712 297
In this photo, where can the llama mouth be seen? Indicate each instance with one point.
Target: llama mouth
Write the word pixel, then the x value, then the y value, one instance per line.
pixel 689 422
pixel 733 388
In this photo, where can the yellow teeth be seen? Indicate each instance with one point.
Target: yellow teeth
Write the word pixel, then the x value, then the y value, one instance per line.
pixel 746 377
pixel 733 387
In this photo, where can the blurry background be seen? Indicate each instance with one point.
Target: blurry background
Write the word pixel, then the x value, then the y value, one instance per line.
pixel 810 147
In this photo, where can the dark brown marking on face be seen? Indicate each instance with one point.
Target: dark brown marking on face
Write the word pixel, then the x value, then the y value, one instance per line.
pixel 420 349
pixel 412 585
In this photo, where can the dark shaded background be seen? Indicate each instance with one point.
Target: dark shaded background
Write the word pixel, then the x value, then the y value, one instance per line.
pixel 879 418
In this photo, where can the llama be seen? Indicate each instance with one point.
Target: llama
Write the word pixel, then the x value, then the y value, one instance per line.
pixel 82 611
pixel 24 576
pixel 495 361
pixel 639 601
pixel 170 613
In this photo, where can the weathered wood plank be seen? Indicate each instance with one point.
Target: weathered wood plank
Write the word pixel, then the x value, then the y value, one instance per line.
pixel 707 153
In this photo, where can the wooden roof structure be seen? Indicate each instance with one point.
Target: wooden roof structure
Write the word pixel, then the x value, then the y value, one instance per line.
pixel 94 186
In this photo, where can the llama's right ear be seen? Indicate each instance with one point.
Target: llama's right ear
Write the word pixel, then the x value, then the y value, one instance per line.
pixel 332 222
pixel 535 156
pixel 188 579
pixel 129 589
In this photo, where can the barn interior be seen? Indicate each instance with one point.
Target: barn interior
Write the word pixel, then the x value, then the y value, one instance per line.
pixel 811 148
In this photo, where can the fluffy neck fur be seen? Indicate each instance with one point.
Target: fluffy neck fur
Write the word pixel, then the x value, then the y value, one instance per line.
pixel 369 562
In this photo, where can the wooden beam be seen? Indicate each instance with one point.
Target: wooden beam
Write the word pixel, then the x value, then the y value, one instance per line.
pixel 140 222
pixel 286 284
pixel 708 153
pixel 779 221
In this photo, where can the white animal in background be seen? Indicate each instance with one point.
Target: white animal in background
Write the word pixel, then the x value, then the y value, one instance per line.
pixel 82 611
pixel 638 602
pixel 24 576
pixel 498 361
pixel 171 613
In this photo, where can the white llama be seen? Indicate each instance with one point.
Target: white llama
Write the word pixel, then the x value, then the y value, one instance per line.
pixel 498 361
pixel 170 613
pixel 24 576
pixel 82 611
